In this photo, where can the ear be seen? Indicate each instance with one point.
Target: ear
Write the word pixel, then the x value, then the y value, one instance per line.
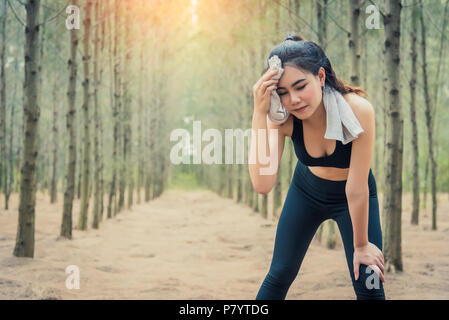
pixel 322 76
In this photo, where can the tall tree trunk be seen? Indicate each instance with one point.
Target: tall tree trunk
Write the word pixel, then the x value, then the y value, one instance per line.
pixel 148 154
pixel 140 119
pixel 43 160
pixel 31 112
pixel 11 181
pixel 121 144
pixel 162 132
pixel 392 203
pixel 155 134
pixel 3 176
pixel 97 162
pixel 331 239
pixel 429 121
pixel 277 192
pixel 112 206
pixel 19 154
pixel 322 23
pixel 83 215
pixel 230 180
pixel 378 119
pixel 69 193
pixel 53 166
pixel 80 152
pixel 426 185
pixel 54 173
pixel 104 19
pixel 440 70
pixel 354 41
pixel 296 6
pixel 109 18
pixel 364 62
pixel 415 154
pixel 151 166
pixel 239 183
pixel 256 202
pixel 384 111
pixel 128 168
pixel 264 209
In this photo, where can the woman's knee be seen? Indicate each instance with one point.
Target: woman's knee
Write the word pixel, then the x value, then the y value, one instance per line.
pixel 368 286
pixel 282 274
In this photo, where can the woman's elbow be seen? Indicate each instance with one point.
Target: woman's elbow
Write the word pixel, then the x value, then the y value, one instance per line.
pixel 262 189
pixel 262 185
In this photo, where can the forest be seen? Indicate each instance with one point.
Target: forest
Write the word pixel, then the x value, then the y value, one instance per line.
pixel 96 94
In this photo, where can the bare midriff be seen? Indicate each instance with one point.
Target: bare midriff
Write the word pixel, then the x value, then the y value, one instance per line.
pixel 328 173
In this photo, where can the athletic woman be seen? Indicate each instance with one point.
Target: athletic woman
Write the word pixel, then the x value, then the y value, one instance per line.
pixel 330 181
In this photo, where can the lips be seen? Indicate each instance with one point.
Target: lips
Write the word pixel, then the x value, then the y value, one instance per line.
pixel 300 109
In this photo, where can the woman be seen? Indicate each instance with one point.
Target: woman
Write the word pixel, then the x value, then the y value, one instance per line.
pixel 331 180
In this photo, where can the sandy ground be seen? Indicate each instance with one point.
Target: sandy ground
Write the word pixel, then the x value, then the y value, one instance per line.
pixel 196 245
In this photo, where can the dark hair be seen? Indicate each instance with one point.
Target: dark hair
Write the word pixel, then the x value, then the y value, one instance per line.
pixel 308 56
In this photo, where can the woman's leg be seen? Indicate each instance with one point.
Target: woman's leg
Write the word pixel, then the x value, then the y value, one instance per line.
pixel 296 227
pixel 368 286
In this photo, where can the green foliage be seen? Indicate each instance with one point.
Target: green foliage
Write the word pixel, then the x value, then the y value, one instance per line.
pixel 184 180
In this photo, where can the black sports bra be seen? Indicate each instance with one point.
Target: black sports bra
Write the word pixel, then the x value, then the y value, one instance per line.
pixel 339 159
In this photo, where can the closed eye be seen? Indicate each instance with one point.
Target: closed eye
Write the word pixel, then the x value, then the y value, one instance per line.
pixel 300 88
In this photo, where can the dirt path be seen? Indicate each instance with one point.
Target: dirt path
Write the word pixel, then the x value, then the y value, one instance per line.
pixel 196 245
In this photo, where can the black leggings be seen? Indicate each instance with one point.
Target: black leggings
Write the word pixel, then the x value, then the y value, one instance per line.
pixel 310 201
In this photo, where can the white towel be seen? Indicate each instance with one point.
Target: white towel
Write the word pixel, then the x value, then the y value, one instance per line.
pixel 341 122
pixel 277 113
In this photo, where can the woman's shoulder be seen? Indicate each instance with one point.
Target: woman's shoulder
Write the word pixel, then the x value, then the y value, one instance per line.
pixel 359 105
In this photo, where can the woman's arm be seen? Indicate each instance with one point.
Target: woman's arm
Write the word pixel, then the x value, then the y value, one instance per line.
pixel 357 190
pixel 263 176
pixel 263 142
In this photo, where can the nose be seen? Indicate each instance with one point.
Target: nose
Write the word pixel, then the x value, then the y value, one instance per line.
pixel 294 100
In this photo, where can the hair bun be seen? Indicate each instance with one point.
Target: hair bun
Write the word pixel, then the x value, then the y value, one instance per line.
pixel 293 37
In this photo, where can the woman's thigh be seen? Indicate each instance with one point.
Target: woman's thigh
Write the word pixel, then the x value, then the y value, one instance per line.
pixel 296 227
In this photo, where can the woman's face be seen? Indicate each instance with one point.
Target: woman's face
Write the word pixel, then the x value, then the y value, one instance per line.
pixel 299 89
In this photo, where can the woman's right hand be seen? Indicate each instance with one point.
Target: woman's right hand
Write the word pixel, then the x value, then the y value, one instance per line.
pixel 262 91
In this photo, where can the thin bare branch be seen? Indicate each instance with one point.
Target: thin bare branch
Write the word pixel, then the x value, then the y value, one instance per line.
pixel 57 15
pixel 15 14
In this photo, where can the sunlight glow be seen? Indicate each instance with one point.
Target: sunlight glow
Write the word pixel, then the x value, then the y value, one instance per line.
pixel 193 9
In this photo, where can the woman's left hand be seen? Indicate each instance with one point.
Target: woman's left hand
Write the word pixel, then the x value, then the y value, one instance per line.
pixel 371 256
